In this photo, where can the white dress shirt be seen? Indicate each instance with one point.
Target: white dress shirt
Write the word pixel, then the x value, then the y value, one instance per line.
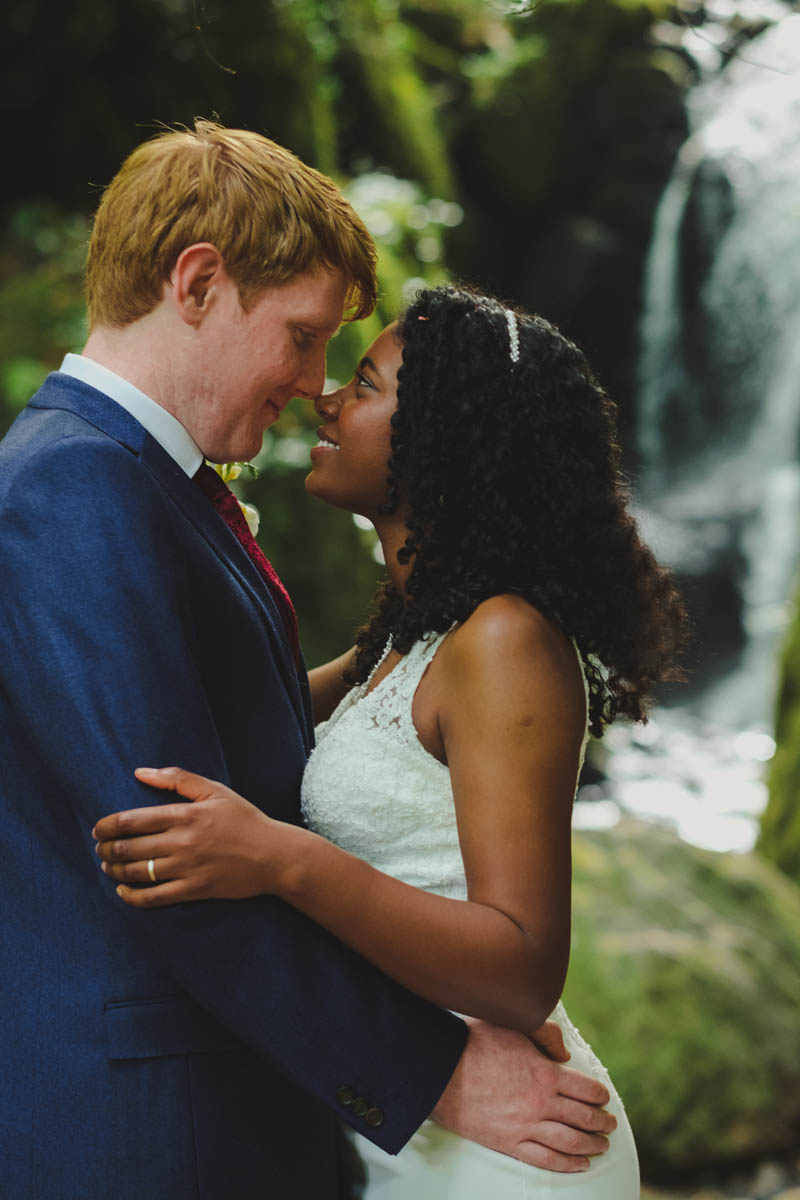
pixel 160 424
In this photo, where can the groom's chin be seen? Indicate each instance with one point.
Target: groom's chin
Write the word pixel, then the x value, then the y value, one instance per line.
pixel 241 449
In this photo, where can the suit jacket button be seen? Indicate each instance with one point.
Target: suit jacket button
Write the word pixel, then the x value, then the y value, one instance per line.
pixel 374 1117
pixel 345 1096
pixel 360 1106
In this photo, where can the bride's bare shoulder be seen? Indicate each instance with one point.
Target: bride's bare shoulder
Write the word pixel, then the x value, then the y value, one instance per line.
pixel 506 638
pixel 508 625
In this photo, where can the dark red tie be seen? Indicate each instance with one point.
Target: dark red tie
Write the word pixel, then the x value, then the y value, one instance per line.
pixel 228 508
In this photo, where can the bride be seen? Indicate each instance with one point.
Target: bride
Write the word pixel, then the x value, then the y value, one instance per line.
pixel 522 611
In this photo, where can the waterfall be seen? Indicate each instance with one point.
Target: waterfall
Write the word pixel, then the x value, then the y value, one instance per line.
pixel 719 438
pixel 661 373
pixel 719 374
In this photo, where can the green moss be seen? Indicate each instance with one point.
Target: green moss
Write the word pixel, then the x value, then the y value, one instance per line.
pixel 779 839
pixel 684 976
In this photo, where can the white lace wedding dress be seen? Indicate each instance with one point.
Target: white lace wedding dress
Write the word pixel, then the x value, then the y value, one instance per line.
pixel 372 788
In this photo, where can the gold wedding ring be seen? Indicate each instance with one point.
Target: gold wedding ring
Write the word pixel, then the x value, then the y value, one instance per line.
pixel 151 870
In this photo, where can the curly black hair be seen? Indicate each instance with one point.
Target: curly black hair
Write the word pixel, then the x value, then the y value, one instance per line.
pixel 511 474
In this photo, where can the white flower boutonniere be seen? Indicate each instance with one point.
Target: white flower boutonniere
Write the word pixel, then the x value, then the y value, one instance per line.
pixel 227 473
pixel 251 516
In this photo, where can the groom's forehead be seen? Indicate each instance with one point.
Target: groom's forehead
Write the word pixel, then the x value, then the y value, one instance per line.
pixel 314 299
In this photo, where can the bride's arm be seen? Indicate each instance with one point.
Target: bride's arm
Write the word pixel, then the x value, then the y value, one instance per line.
pixel 512 719
pixel 327 685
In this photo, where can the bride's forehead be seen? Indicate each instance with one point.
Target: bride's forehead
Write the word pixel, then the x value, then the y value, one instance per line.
pixel 387 349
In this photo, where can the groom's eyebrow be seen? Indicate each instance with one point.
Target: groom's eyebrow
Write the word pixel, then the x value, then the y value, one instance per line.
pixel 367 362
pixel 322 327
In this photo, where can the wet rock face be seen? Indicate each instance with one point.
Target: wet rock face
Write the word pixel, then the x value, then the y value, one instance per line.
pixel 685 977
pixel 703 535
pixel 718 419
pixel 564 157
pixel 714 603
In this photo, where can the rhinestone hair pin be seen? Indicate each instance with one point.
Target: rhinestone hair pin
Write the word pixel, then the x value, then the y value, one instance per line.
pixel 513 335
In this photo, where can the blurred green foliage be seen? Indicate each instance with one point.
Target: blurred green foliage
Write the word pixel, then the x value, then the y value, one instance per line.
pixel 41 298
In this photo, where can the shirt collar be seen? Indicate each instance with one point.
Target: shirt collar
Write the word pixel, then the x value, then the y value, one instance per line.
pixel 160 424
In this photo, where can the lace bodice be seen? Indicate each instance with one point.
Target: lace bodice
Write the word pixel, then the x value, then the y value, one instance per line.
pixel 372 788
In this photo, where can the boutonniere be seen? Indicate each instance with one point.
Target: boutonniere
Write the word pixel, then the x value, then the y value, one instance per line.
pixel 230 471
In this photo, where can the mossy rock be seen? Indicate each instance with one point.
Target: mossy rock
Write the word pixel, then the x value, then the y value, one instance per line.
pixel 574 104
pixel 780 823
pixel 685 977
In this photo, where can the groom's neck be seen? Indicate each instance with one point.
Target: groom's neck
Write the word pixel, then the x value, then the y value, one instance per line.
pixel 143 353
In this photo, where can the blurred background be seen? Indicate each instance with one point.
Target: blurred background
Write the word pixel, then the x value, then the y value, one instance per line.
pixel 632 171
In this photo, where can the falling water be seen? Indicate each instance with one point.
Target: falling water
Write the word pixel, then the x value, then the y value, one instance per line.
pixel 719 441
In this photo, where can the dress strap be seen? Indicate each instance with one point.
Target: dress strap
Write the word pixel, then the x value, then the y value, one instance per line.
pixel 431 642
pixel 423 652
pixel 411 666
pixel 582 670
pixel 402 681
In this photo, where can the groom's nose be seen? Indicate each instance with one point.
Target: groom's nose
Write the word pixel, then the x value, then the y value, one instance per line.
pixel 311 379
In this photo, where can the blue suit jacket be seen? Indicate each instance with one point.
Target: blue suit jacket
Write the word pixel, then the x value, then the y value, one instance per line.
pixel 200 1050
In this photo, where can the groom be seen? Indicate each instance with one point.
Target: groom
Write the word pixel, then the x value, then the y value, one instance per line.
pixel 202 1050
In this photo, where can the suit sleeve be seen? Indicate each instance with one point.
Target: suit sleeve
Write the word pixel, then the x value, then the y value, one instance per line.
pixel 99 656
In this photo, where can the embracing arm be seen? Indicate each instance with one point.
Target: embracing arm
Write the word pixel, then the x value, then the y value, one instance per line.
pixel 327 685
pixel 468 956
pixel 512 742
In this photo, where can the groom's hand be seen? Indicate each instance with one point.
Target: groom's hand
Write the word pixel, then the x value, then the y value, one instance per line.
pixel 508 1096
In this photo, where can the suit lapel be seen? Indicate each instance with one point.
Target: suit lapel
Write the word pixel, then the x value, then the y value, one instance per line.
pixel 65 392
pixel 198 509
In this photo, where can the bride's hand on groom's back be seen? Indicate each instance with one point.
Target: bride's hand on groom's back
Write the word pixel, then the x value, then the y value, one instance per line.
pixel 508 1096
pixel 219 847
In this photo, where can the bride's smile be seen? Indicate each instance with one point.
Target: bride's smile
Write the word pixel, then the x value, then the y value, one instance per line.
pixel 349 463
pixel 324 443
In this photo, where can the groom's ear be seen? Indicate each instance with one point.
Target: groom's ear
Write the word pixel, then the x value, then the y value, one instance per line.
pixel 195 280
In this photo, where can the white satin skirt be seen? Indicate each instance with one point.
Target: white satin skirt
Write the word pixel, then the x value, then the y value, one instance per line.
pixel 439 1165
